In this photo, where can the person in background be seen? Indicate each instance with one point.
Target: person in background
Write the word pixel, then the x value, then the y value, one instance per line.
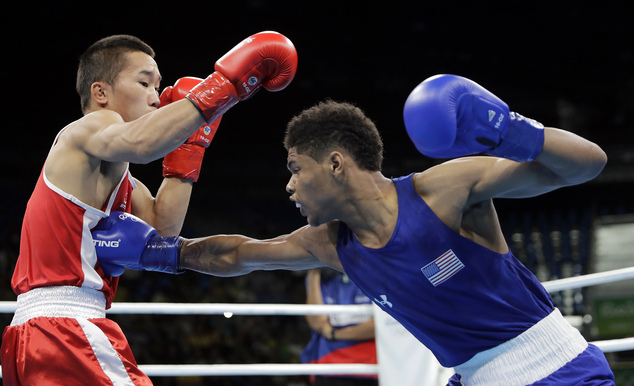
pixel 338 338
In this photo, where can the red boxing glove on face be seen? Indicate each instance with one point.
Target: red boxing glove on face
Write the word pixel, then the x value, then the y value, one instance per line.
pixel 179 91
pixel 185 161
pixel 166 96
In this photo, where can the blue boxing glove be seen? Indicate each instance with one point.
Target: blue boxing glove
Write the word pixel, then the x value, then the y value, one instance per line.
pixel 449 116
pixel 125 241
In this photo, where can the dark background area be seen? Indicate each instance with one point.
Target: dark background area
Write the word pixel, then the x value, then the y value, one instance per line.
pixel 568 65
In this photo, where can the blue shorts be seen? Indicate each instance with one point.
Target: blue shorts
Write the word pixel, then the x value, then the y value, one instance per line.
pixel 590 368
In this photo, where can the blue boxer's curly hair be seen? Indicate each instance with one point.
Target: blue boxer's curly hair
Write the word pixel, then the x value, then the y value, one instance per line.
pixel 103 61
pixel 341 126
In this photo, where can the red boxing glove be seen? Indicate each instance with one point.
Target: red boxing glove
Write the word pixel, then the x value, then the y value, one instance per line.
pixel 166 96
pixel 213 96
pixel 266 59
pixel 179 91
pixel 185 161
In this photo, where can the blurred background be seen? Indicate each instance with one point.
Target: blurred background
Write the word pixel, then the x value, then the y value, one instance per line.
pixel 568 65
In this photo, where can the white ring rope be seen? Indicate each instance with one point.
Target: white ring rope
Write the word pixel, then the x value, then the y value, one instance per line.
pixel 308 309
pixel 229 309
pixel 614 345
pixel 258 369
pixel 589 279
pixel 237 309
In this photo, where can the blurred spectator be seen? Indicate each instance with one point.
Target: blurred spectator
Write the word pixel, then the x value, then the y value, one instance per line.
pixel 341 338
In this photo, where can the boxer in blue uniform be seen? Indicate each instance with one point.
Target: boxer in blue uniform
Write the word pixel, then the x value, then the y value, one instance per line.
pixel 426 247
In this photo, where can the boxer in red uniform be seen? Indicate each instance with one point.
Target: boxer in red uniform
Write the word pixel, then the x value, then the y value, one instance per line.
pixel 59 333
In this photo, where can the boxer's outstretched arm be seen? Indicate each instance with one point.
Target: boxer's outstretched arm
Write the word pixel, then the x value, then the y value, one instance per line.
pixel 235 255
pixel 125 241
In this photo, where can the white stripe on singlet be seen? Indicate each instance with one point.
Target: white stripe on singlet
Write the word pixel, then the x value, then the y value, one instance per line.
pixel 107 356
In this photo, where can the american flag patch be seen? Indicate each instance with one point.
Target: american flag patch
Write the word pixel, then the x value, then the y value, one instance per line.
pixel 441 269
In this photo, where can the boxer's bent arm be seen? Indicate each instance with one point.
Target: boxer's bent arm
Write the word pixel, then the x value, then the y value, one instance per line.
pixel 565 160
pixel 166 212
pixel 572 158
pixel 235 255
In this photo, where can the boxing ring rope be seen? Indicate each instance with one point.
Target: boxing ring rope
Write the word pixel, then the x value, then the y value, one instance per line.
pixel 272 369
pixel 229 309
pixel 589 279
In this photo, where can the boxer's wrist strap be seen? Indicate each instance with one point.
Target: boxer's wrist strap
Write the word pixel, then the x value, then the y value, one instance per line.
pixel 162 254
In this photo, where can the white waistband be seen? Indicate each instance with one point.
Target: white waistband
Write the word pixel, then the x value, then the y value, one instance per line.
pixel 60 302
pixel 533 355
